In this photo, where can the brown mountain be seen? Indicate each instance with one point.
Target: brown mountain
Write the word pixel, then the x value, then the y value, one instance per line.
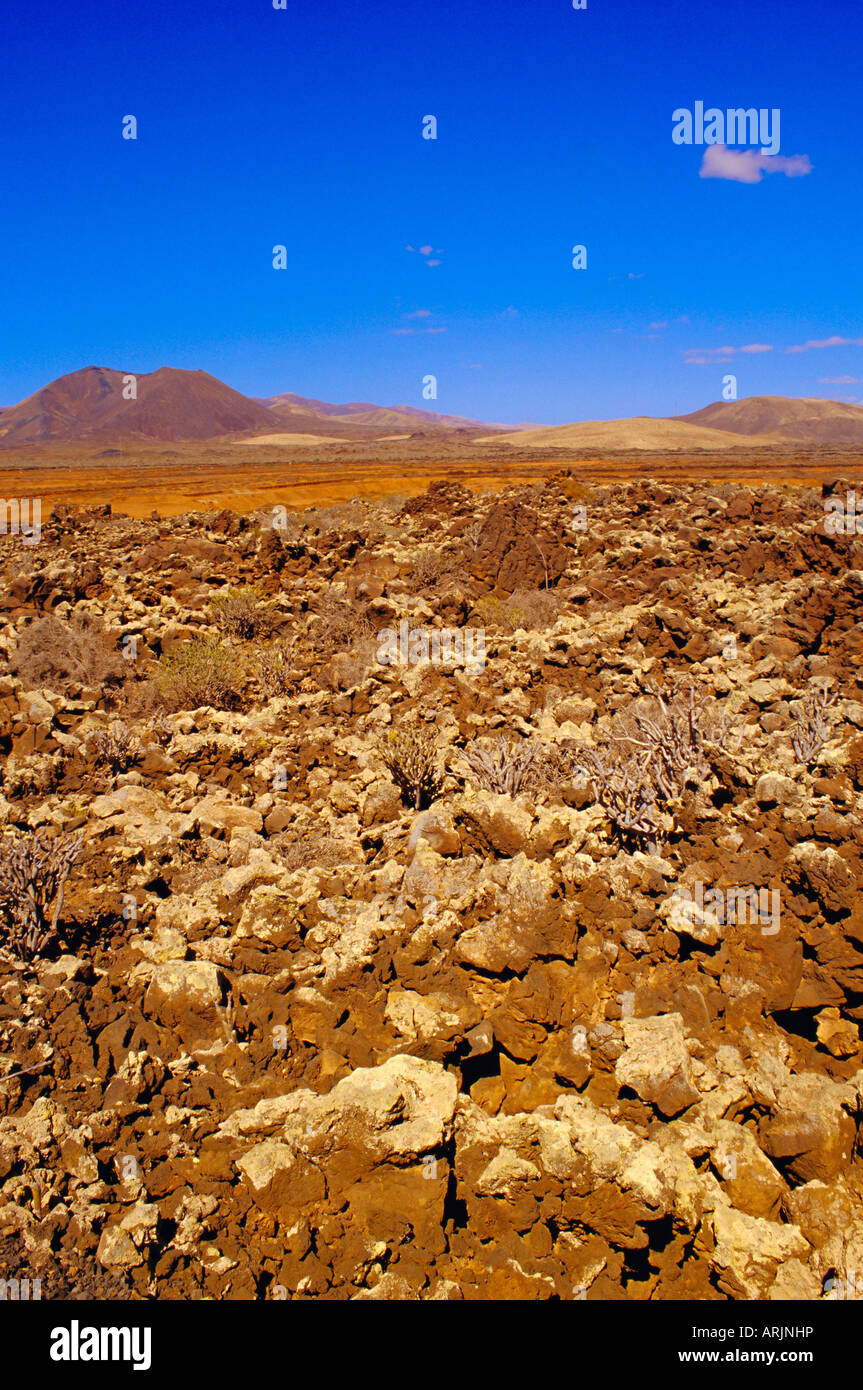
pixel 804 420
pixel 171 404
pixel 289 406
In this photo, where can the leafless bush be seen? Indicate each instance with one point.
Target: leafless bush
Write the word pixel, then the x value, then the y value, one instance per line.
pixel 341 624
pixel 243 613
pixel 430 567
pixel 276 669
pixel 813 726
pixel 626 792
pixel 116 746
pixel 507 766
pixel 674 730
pixel 411 757
pixel 33 874
pixel 159 726
pixel 650 756
pixel 200 672
pixel 471 535
pixel 50 652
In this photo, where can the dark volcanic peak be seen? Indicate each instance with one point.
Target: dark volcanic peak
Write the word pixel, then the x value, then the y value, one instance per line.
pixel 97 403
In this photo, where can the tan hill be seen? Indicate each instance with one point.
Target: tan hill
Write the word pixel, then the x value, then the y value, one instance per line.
pixel 804 420
pixel 289 406
pixel 171 404
pixel 640 432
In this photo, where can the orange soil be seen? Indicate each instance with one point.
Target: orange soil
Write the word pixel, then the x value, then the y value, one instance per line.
pixel 138 486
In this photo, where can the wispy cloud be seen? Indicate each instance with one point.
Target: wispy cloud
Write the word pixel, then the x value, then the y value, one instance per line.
pixel 412 332
pixel 835 341
pixel 839 380
pixel 750 166
pixel 661 323
pixel 426 252
pixel 695 357
pixel 418 314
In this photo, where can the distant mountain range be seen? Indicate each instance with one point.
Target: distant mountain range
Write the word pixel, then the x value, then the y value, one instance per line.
pixel 756 422
pixel 172 405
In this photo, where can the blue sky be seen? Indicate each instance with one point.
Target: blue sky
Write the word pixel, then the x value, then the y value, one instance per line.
pixel 302 127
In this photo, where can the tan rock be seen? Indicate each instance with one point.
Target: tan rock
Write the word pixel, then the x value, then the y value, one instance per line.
pixel 656 1064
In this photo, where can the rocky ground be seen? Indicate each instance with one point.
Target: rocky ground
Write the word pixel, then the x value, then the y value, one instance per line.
pixel 293 1037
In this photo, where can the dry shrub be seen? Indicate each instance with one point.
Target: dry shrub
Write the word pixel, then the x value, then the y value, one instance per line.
pixel 812 729
pixel 33 873
pixel 430 567
pixel 200 672
pixel 624 787
pixel 340 623
pixel 54 654
pixel 411 757
pixel 529 609
pixel 654 751
pixel 116 747
pixel 675 729
pixel 276 668
pixel 508 766
pixel 243 613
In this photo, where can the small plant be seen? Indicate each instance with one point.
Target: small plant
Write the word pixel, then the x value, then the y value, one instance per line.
pixel 51 652
pixel 411 757
pixel 341 625
pixel 33 874
pixel 200 672
pixel 116 746
pixel 626 792
pixel 429 567
pixel 507 767
pixel 651 755
pixel 526 608
pixel 242 613
pixel 812 728
pixel 674 730
pixel 275 668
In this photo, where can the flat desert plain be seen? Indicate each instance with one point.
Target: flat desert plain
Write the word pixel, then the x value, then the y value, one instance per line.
pixel 244 476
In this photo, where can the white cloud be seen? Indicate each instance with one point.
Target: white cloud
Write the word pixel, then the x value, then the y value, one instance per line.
pixel 825 343
pixel 839 380
pixel 699 357
pixel 750 166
